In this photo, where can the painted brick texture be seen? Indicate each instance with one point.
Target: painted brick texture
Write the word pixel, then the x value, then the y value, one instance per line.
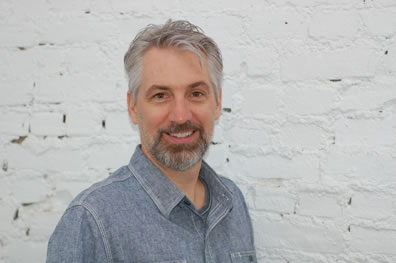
pixel 308 129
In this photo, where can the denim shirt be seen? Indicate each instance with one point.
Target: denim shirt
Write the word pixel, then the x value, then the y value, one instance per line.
pixel 138 215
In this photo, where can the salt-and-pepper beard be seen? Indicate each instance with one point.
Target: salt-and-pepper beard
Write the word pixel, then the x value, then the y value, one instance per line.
pixel 179 156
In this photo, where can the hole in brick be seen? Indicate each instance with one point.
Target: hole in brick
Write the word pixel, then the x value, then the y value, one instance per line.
pixel 335 80
pixel 34 84
pixel 386 52
pixel 87 12
pixel 16 215
pixel 19 140
pixel 350 201
pixel 349 228
pixel 228 160
pixel 41 44
pixel 27 232
pixel 29 129
pixel 62 136
pixel 5 166
pixel 60 73
pixel 286 23
pixel 27 204
pixel 121 13
pixel 227 109
pixel 22 48
pixel 214 143
pixel 64 118
pixel 104 124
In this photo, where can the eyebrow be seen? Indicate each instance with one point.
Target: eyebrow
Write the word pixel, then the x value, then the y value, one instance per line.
pixel 165 88
pixel 199 83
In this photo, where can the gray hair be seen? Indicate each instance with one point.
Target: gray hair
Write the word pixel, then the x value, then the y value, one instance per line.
pixel 178 34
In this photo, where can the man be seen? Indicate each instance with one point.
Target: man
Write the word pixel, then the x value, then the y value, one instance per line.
pixel 167 204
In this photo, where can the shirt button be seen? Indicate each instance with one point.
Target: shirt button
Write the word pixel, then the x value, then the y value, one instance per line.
pixel 187 202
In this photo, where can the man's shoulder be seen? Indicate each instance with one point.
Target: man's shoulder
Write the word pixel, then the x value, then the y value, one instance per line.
pixel 104 189
pixel 230 184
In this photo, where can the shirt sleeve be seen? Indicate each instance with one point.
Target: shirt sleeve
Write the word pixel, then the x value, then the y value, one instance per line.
pixel 77 238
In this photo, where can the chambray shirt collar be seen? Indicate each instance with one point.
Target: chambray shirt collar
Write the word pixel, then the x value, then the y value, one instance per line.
pixel 164 193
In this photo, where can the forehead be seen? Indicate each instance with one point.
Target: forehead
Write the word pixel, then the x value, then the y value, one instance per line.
pixel 173 67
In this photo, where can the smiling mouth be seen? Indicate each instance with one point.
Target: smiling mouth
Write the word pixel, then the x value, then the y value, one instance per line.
pixel 181 134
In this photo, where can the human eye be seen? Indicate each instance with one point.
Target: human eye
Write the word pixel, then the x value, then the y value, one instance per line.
pixel 197 94
pixel 159 96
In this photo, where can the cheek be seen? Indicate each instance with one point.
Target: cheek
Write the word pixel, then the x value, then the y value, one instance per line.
pixel 152 120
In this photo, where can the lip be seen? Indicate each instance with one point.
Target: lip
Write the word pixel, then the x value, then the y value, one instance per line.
pixel 180 140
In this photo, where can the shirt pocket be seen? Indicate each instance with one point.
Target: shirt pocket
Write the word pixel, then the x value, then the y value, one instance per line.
pixel 244 257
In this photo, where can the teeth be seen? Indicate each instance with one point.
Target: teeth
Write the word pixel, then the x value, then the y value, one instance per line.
pixel 182 134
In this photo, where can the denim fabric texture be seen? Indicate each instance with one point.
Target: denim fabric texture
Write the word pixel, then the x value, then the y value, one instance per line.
pixel 138 215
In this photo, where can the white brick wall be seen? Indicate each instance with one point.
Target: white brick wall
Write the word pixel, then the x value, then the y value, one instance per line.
pixel 309 132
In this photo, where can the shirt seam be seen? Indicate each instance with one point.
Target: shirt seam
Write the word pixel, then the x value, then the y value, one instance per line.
pixel 101 230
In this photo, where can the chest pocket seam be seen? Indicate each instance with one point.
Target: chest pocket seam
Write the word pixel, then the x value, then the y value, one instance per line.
pixel 244 257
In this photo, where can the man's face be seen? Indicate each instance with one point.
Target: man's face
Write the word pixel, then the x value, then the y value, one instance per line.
pixel 175 107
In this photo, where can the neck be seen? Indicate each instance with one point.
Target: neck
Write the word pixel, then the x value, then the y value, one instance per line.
pixel 187 180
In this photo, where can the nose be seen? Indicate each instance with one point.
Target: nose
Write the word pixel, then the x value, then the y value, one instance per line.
pixel 180 111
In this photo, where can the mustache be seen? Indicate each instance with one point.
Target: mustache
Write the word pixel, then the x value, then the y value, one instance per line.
pixel 187 126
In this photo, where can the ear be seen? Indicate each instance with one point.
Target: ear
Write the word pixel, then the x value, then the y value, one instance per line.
pixel 218 106
pixel 131 108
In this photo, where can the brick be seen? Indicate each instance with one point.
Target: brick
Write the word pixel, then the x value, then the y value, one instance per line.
pixel 86 27
pixel 335 25
pixel 282 235
pixel 83 87
pixel 368 96
pixel 366 132
pixel 302 136
pixel 275 166
pixel 19 35
pixel 274 200
pixel 361 166
pixel 41 223
pixel 47 123
pixel 118 123
pixel 51 160
pixel 369 240
pixel 16 92
pixel 277 23
pixel 216 157
pixel 32 251
pixel 248 136
pixel 7 213
pixel 269 65
pixel 15 61
pixel 80 122
pixel 29 189
pixel 352 62
pixel 308 99
pixel 13 123
pixel 371 206
pixel 225 33
pixel 313 204
pixel 387 65
pixel 260 102
pixel 380 22
pixel 102 156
